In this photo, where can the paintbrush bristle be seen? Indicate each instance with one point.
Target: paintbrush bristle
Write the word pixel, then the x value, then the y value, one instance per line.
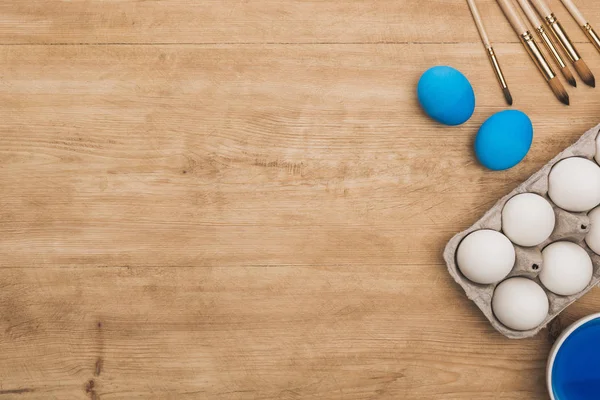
pixel 507 96
pixel 584 72
pixel 569 76
pixel 559 90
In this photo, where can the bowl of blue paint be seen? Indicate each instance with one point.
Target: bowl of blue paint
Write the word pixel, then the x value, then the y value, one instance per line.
pixel 573 371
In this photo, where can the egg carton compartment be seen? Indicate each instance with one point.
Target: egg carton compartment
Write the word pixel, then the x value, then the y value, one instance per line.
pixel 569 226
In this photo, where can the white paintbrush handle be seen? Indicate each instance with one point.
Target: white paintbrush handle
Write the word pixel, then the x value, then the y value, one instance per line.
pixel 513 17
pixel 530 13
pixel 577 15
pixel 479 23
pixel 542 7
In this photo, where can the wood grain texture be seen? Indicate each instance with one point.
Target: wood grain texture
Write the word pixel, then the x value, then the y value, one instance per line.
pixel 242 200
pixel 257 21
pixel 258 332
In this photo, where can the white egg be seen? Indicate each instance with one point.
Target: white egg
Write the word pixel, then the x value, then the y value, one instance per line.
pixel 574 184
pixel 566 268
pixel 520 304
pixel 485 256
pixel 597 157
pixel 593 237
pixel 528 219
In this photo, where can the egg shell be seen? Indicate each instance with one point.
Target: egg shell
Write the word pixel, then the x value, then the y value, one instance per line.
pixel 528 219
pixel 485 256
pixel 567 268
pixel 597 156
pixel 574 184
pixel 593 237
pixel 446 95
pixel 504 140
pixel 570 226
pixel 520 304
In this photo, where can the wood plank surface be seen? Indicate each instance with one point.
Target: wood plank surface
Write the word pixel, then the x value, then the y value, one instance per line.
pixel 258 332
pixel 243 200
pixel 258 21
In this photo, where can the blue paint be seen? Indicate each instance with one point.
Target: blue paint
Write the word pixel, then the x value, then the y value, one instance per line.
pixel 446 95
pixel 576 368
pixel 504 140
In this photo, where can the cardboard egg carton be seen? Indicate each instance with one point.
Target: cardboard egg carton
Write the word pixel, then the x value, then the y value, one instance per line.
pixel 569 226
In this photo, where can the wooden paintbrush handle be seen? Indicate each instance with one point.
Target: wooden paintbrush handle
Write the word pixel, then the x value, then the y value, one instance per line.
pixel 577 15
pixel 530 13
pixel 513 17
pixel 542 7
pixel 479 23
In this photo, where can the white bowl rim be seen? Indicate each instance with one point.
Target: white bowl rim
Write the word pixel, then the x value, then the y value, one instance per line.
pixel 558 344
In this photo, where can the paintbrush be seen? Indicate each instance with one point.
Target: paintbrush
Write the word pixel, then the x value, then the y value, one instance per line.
pixel 539 27
pixel 561 36
pixel 585 25
pixel 534 51
pixel 490 51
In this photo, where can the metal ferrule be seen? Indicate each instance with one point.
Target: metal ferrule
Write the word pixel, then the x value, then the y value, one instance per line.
pixel 497 69
pixel 561 36
pixel 550 46
pixel 592 35
pixel 537 56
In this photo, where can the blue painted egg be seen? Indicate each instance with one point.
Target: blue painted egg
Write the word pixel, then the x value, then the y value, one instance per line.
pixel 446 95
pixel 504 140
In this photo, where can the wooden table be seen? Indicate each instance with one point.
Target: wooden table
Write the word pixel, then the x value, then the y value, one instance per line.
pixel 240 199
